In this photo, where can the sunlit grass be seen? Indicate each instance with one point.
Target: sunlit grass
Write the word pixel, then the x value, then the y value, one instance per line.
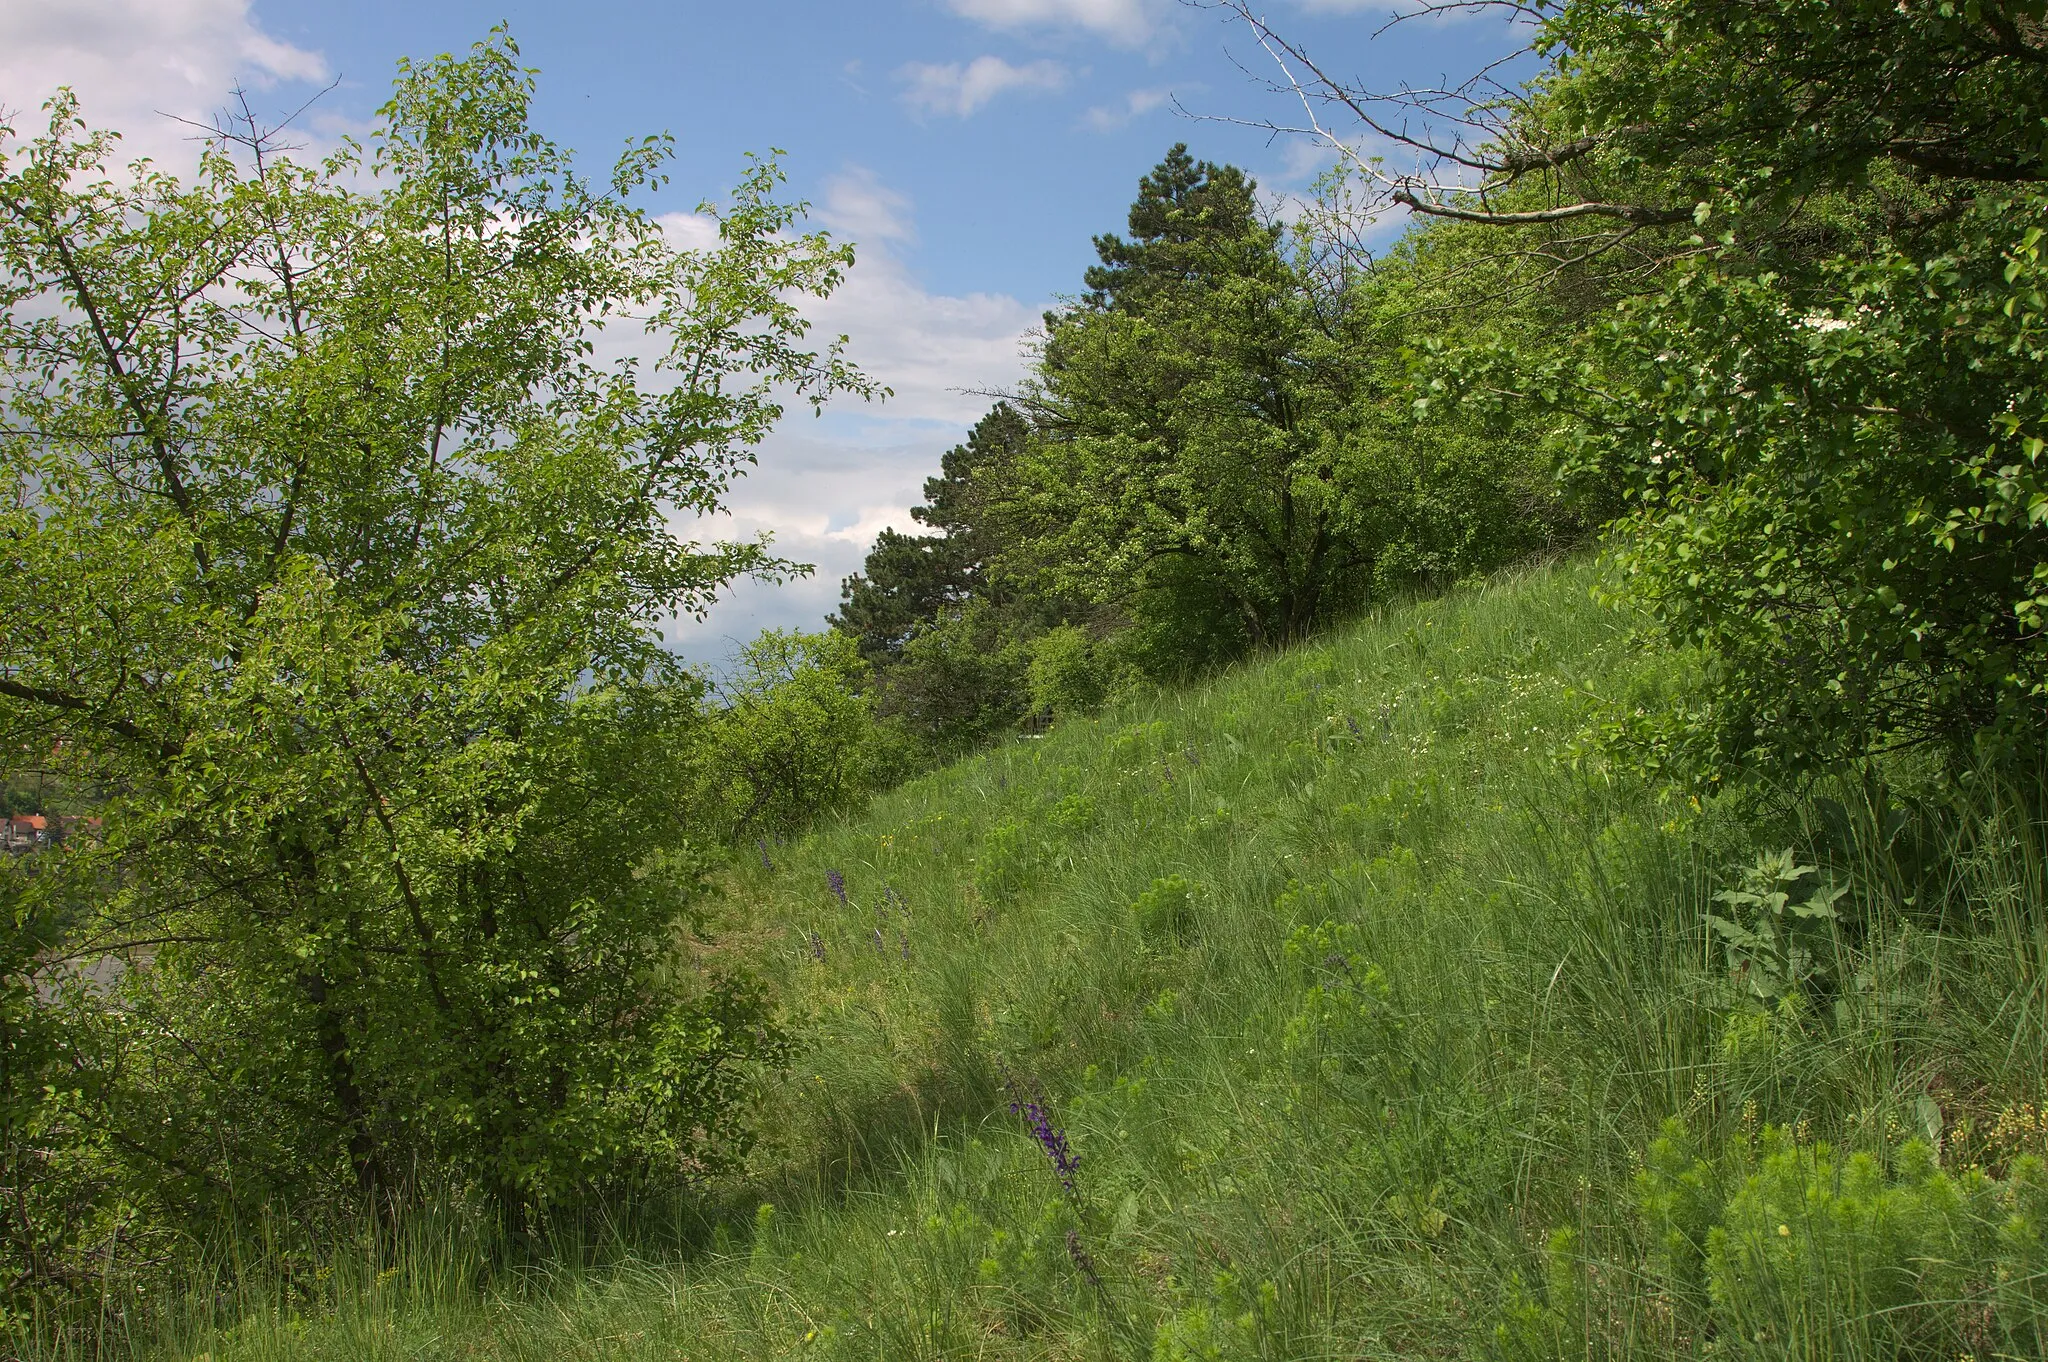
pixel 1517 989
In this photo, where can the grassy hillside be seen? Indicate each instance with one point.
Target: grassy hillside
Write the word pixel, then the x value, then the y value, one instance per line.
pixel 1361 1008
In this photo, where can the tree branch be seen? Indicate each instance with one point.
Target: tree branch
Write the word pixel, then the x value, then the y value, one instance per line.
pixel 1634 213
pixel 78 704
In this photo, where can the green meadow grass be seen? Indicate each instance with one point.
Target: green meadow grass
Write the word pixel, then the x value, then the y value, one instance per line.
pixel 1364 1005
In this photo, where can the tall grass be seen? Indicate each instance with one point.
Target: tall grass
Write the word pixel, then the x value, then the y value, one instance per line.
pixel 1374 1010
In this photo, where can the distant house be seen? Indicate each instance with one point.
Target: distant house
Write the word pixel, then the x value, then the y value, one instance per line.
pixel 25 832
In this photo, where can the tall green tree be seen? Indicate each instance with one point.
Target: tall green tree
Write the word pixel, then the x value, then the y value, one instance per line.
pixel 947 634
pixel 911 580
pixel 333 559
pixel 1184 207
pixel 1189 437
pixel 1223 451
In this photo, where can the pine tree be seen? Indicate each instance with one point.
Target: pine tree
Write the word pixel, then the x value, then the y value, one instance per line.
pixel 1183 207
pixel 912 579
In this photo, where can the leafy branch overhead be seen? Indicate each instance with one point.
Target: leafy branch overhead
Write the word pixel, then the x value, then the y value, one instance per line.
pixel 1658 115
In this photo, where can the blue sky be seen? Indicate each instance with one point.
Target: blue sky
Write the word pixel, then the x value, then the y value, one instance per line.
pixel 972 148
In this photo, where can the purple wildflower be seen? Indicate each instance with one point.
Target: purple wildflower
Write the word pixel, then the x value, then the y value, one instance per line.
pixel 1051 1139
pixel 881 942
pixel 1194 758
pixel 1356 731
pixel 836 882
pixel 766 864
pixel 817 948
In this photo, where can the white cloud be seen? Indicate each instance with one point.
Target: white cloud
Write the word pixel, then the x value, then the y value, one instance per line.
pixel 1136 104
pixel 958 90
pixel 690 231
pixel 926 346
pixel 1304 158
pixel 824 501
pixel 921 345
pixel 1126 22
pixel 859 205
pixel 134 61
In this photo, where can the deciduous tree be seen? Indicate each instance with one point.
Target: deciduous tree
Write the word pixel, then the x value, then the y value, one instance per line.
pixel 332 558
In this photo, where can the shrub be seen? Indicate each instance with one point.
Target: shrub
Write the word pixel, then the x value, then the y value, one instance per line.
pixel 795 734
pixel 1776 946
pixel 392 848
pixel 1841 489
pixel 1344 1030
pixel 1005 865
pixel 1165 912
pixel 1228 1323
pixel 1782 1249
pixel 1069 673
pixel 961 678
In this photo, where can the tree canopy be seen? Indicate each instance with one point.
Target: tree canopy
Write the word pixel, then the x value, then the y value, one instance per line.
pixel 334 562
pixel 1809 375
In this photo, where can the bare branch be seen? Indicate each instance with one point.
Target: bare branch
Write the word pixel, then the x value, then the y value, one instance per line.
pixel 1637 214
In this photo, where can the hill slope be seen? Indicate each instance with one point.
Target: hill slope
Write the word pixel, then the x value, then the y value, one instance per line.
pixel 1327 1010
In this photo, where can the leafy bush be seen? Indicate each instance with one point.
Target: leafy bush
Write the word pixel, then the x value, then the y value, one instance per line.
pixel 1069 673
pixel 1344 1030
pixel 1230 1322
pixel 1008 858
pixel 794 734
pixel 1774 945
pixel 1842 492
pixel 1073 815
pixel 60 1180
pixel 1165 913
pixel 963 677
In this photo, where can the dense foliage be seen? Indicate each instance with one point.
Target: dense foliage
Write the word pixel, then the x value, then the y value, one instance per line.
pixel 791 734
pixel 1832 415
pixel 1815 370
pixel 332 566
pixel 1841 491
pixel 1213 454
pixel 945 631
